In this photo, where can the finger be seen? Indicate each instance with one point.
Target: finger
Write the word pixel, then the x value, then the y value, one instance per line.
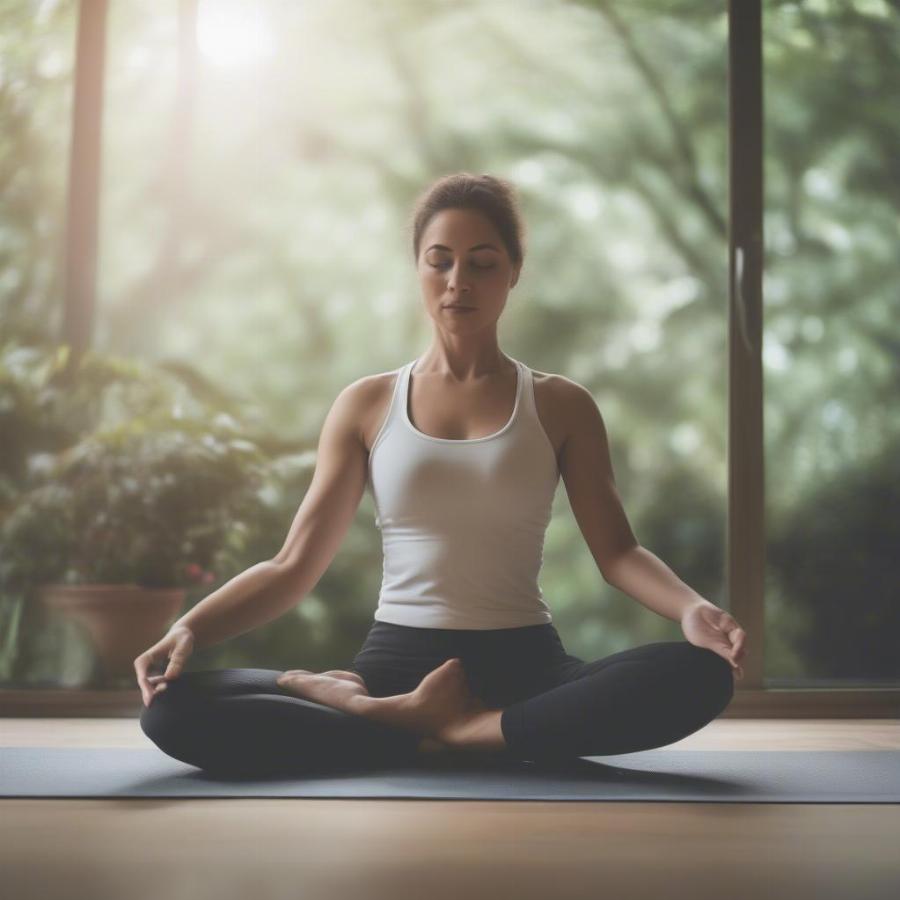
pixel 734 634
pixel 140 669
pixel 725 619
pixel 177 658
pixel 739 639
pixel 176 663
pixel 158 689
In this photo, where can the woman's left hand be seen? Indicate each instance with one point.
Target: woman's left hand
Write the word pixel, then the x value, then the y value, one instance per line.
pixel 705 625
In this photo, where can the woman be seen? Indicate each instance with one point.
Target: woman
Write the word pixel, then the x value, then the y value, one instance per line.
pixel 462 449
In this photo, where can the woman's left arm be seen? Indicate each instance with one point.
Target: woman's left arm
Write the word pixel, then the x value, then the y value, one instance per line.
pixel 586 467
pixel 645 577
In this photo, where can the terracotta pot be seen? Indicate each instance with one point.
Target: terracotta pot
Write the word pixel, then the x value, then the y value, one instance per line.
pixel 122 620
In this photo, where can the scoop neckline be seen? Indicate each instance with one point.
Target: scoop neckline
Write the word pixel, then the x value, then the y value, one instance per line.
pixel 478 440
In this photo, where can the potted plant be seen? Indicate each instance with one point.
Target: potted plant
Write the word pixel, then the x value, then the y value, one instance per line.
pixel 120 494
pixel 125 522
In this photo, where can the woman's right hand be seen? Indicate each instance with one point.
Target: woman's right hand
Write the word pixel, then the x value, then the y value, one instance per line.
pixel 174 648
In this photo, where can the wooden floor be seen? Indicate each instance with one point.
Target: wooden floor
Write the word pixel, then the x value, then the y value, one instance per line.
pixel 168 849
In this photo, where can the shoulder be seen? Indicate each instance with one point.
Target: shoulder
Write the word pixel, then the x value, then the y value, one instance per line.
pixel 369 387
pixel 564 407
pixel 568 407
pixel 570 398
pixel 368 398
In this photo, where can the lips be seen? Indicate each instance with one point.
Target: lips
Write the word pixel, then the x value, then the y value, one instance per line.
pixel 457 306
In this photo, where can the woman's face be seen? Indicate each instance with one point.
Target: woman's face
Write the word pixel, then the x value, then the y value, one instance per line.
pixel 463 260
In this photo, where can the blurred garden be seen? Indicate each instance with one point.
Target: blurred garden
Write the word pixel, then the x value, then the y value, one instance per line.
pixel 254 257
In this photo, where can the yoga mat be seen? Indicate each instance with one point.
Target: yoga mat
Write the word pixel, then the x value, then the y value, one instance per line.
pixel 705 776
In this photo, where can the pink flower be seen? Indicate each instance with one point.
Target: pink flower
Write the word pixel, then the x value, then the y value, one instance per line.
pixel 193 571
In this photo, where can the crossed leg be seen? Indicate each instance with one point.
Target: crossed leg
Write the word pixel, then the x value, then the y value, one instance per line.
pixel 638 699
pixel 254 720
pixel 442 708
pixel 241 721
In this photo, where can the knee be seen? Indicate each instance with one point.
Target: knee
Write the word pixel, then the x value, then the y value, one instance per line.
pixel 164 719
pixel 712 679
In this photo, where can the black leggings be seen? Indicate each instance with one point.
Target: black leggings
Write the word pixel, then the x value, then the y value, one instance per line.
pixel 555 706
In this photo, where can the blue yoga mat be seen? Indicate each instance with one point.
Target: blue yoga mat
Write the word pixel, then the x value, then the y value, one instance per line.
pixel 704 776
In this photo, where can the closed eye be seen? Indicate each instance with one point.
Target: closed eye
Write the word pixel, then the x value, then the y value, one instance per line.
pixel 474 266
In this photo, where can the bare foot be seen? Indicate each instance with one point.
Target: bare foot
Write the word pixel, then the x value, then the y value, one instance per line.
pixel 341 698
pixel 442 706
pixel 314 686
pixel 341 673
pixel 336 687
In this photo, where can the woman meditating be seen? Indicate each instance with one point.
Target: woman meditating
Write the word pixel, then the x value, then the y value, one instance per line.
pixel 462 449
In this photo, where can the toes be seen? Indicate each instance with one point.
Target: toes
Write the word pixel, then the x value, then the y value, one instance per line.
pixel 291 675
pixel 344 674
pixel 352 677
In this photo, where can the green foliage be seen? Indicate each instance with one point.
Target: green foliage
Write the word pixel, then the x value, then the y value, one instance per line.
pixel 269 253
pixel 150 493
pixel 836 551
pixel 118 475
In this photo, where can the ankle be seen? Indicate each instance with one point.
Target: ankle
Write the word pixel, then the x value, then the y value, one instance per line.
pixel 482 731
pixel 393 710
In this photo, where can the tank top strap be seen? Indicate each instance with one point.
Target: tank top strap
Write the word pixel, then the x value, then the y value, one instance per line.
pixel 529 404
pixel 403 388
pixel 395 408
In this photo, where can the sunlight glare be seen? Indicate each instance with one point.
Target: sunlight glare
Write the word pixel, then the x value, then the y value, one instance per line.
pixel 232 32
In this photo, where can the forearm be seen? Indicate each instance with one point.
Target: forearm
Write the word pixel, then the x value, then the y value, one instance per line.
pixel 646 578
pixel 255 596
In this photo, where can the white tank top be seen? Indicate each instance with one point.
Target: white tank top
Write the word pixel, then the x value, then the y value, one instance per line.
pixel 463 521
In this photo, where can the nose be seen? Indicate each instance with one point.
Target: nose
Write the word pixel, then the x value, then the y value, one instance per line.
pixel 454 273
pixel 456 284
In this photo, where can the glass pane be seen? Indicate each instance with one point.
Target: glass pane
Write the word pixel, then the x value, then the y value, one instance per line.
pixel 612 122
pixel 254 231
pixel 37 46
pixel 831 345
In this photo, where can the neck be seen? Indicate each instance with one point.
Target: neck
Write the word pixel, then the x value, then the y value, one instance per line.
pixel 463 361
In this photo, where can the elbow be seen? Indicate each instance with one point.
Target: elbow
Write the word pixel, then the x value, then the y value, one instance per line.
pixel 611 567
pixel 285 566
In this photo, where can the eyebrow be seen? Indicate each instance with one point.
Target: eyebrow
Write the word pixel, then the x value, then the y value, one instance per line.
pixel 476 247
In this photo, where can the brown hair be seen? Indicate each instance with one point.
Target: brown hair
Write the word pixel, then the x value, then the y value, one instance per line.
pixel 494 197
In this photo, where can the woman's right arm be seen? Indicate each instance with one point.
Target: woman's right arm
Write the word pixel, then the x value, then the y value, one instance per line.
pixel 268 589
